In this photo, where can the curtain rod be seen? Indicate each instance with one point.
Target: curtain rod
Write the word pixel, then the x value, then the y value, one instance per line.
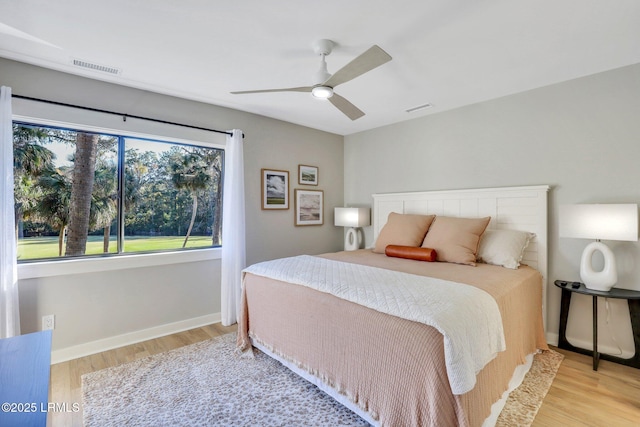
pixel 124 116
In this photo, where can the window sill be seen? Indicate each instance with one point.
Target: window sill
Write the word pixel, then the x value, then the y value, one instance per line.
pixel 122 262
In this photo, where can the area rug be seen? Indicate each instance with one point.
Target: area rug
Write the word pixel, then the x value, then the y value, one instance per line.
pixel 204 384
pixel 523 403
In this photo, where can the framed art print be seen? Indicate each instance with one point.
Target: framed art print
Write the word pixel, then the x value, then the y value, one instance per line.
pixel 307 175
pixel 309 207
pixel 275 189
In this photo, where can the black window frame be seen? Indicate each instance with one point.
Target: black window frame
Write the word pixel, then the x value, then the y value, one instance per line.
pixel 122 136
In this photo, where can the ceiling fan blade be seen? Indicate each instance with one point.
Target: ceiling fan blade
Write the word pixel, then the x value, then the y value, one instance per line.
pixel 347 108
pixel 289 89
pixel 367 61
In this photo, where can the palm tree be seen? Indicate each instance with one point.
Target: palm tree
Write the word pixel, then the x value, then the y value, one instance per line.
pixel 30 160
pixel 104 201
pixel 81 191
pixel 215 160
pixel 189 171
pixel 28 154
pixel 104 197
pixel 53 206
pixel 137 177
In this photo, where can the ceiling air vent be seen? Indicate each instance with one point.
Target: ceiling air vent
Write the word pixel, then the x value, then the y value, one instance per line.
pixel 95 67
pixel 419 107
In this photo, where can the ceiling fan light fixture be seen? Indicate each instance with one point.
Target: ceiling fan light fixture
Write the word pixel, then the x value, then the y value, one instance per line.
pixel 322 92
pixel 322 87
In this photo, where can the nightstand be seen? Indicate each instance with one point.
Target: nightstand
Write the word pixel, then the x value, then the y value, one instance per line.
pixel 633 299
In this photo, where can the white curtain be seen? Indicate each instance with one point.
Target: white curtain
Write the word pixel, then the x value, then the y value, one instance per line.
pixel 9 311
pixel 234 257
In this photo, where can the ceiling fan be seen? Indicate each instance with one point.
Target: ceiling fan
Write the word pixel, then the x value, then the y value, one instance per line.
pixel 324 83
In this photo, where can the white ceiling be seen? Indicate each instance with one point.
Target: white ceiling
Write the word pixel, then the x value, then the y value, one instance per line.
pixel 448 53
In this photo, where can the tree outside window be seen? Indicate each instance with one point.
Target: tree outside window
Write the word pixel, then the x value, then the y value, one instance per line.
pixel 67 194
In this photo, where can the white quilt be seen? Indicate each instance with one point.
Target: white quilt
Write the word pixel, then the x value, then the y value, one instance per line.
pixel 467 317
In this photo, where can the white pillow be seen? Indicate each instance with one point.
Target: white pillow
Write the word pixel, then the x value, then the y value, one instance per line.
pixel 503 247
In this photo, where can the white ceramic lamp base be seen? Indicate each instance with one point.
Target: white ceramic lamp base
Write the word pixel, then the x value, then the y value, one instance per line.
pixel 598 280
pixel 351 240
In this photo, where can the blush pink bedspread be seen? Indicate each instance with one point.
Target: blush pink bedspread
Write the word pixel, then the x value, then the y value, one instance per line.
pixel 392 368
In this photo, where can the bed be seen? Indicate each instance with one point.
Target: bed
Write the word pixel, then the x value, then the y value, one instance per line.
pixel 398 361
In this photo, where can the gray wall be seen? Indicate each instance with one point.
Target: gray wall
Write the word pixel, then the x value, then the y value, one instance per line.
pixel 99 306
pixel 582 137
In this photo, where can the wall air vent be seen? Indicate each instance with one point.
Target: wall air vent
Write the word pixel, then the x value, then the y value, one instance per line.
pixel 419 107
pixel 95 67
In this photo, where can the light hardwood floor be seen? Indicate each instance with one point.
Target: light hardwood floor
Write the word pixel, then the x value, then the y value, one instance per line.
pixel 578 396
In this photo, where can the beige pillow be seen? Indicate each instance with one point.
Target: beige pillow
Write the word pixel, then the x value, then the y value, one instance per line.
pixel 403 230
pixel 456 239
pixel 503 247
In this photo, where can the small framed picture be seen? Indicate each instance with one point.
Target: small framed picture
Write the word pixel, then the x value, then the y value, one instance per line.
pixel 307 175
pixel 275 189
pixel 309 207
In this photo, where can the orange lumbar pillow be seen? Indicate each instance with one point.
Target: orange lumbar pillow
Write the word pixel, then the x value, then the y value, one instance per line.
pixel 411 252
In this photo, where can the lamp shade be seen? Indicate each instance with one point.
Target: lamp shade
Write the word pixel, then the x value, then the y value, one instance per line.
pixel 352 217
pixel 599 221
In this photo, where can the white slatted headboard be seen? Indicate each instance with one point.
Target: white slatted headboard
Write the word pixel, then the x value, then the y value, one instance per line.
pixel 511 208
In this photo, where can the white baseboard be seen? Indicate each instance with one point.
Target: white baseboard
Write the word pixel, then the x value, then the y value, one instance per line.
pixel 92 347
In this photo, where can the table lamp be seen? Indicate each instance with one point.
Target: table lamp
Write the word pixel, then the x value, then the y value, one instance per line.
pixel 599 221
pixel 354 218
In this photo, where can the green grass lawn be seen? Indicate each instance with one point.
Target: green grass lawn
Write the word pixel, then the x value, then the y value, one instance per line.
pixel 47 247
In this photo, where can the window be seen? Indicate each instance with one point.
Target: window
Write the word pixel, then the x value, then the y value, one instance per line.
pixel 81 193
